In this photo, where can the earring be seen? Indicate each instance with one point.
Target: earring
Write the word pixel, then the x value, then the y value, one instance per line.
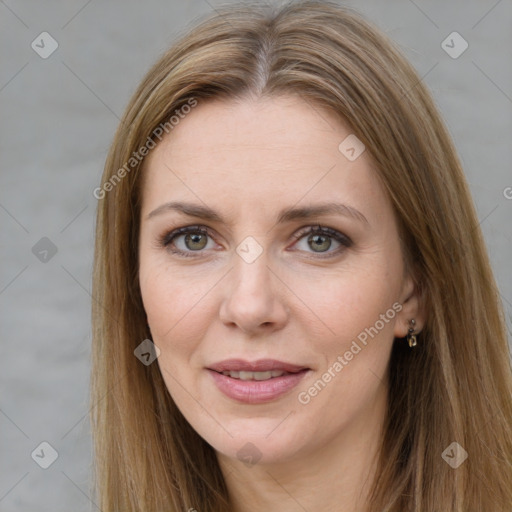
pixel 411 337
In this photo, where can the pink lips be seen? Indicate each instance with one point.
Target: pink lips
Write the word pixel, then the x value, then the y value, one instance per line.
pixel 253 391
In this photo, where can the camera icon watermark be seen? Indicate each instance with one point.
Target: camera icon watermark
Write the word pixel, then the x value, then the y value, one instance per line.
pixel 44 45
pixel 351 147
pixel 454 455
pixel 507 192
pixel 146 352
pixel 44 455
pixel 454 45
pixel 249 454
pixel 249 249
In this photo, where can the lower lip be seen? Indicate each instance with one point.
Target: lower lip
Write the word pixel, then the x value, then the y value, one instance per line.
pixel 256 391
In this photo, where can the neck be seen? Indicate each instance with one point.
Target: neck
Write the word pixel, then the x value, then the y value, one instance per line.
pixel 334 477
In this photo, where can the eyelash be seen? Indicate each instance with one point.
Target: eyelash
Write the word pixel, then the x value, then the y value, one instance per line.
pixel 167 238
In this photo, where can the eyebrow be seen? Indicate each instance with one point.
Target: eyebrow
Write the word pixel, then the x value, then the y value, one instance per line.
pixel 286 215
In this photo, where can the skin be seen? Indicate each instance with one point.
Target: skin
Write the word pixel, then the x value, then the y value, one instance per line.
pixel 247 160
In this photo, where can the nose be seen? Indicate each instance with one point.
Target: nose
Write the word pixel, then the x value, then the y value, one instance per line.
pixel 254 298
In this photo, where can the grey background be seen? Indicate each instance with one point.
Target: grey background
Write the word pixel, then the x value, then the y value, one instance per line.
pixel 58 116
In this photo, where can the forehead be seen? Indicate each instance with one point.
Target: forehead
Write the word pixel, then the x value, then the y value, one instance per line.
pixel 244 152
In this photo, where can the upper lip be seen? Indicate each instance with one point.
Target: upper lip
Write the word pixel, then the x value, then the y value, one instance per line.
pixel 261 365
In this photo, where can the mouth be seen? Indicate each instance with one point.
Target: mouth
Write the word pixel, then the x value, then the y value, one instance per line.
pixel 243 375
pixel 259 366
pixel 256 382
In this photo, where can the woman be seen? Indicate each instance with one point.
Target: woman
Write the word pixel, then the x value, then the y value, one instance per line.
pixel 294 308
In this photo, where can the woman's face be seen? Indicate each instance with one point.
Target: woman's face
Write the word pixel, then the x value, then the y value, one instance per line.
pixel 276 310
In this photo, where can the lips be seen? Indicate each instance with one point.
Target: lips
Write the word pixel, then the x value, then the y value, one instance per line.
pixel 256 382
pixel 261 365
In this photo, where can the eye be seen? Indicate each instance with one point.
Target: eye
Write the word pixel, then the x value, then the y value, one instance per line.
pixel 190 241
pixel 187 240
pixel 320 239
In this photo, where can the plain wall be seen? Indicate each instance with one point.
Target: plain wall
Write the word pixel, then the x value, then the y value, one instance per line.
pixel 58 116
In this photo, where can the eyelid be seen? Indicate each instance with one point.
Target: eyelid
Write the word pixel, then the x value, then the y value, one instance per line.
pixel 167 237
pixel 323 230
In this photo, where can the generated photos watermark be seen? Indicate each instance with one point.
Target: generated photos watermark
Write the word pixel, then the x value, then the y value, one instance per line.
pixel 138 156
pixel 357 345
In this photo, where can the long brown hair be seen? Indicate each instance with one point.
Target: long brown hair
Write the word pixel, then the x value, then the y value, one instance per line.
pixel 456 386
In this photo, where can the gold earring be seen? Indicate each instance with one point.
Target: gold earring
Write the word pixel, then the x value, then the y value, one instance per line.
pixel 411 337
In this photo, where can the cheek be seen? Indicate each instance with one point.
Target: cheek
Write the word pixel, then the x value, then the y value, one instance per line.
pixel 358 310
pixel 170 298
pixel 361 308
pixel 348 303
pixel 174 308
pixel 178 307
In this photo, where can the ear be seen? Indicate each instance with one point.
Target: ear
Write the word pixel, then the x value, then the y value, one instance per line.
pixel 413 307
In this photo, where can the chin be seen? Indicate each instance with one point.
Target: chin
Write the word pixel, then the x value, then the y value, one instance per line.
pixel 259 440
